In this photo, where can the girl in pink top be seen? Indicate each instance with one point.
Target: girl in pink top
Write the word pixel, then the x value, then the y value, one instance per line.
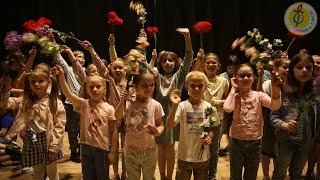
pixel 143 122
pixel 98 135
pixel 247 124
pixel 42 114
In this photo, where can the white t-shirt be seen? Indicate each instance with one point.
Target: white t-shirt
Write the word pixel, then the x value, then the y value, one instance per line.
pixel 190 141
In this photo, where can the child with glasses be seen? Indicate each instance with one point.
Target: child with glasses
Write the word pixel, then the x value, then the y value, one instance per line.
pixel 247 124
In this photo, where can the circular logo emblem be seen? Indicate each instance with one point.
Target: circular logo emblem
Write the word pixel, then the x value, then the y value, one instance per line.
pixel 300 18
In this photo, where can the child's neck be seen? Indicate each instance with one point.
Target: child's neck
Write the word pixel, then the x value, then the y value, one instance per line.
pixel 92 101
pixel 244 90
pixel 212 76
pixel 194 101
pixel 143 99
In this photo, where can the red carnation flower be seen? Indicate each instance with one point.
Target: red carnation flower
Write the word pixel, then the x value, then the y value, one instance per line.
pixel 152 30
pixel 202 26
pixel 297 36
pixel 44 21
pixel 113 19
pixel 112 15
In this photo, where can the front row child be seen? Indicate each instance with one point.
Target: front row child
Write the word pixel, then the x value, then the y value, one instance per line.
pixel 143 120
pixel 193 149
pixel 42 114
pixel 247 124
pixel 97 125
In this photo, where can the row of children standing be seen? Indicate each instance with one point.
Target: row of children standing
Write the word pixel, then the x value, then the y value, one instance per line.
pixel 146 118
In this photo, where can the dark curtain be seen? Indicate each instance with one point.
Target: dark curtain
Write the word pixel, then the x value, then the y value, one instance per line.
pixel 230 19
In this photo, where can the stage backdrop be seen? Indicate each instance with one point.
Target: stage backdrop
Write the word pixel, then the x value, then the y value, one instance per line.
pixel 87 19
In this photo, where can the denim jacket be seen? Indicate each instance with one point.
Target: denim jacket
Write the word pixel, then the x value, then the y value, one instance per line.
pixel 291 109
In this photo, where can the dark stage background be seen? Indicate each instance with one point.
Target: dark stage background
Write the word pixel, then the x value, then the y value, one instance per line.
pixel 87 19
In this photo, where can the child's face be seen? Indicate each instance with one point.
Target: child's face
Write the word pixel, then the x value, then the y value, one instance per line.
pixel 168 65
pixel 117 70
pixel 80 58
pixel 303 71
pixel 316 65
pixel 39 84
pixel 231 69
pixel 92 70
pixel 95 89
pixel 245 77
pixel 196 87
pixel 211 65
pixel 283 70
pixel 145 87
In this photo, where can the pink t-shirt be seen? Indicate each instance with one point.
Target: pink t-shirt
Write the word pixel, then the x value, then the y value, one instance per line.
pixel 137 115
pixel 94 130
pixel 247 123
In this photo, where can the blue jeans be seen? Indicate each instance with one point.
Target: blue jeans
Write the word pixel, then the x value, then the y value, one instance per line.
pixel 294 156
pixel 214 151
pixel 244 154
pixel 94 163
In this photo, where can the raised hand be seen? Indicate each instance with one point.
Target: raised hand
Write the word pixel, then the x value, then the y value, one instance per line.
pixel 33 52
pixel 234 83
pixel 183 31
pixel 175 96
pixel 57 70
pixel 200 54
pixel 142 33
pixel 111 40
pixel 86 45
pixel 154 54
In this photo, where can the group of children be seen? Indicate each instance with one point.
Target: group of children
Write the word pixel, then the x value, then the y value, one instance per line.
pixel 99 104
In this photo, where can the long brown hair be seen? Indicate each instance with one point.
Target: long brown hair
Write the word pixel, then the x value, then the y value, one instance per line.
pixel 29 98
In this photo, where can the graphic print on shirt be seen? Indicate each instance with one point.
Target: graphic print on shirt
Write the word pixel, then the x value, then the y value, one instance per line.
pixel 138 118
pixel 95 121
pixel 247 112
pixel 193 121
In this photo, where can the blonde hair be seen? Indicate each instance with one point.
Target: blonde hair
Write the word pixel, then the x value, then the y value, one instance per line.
pixel 197 74
pixel 83 90
pixel 77 52
pixel 29 98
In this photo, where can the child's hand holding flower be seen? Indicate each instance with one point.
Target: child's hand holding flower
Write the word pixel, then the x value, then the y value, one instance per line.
pixel 86 45
pixel 111 40
pixel 58 70
pixel 206 140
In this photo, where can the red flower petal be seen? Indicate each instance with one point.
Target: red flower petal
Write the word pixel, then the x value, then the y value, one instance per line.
pixel 152 30
pixel 112 15
pixel 202 26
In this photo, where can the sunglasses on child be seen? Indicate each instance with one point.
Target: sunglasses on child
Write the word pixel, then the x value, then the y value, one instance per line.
pixel 243 75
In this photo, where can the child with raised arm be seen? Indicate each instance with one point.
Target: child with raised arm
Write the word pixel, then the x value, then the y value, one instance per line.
pixel 171 76
pixel 193 149
pixel 42 113
pixel 98 135
pixel 247 124
pixel 143 122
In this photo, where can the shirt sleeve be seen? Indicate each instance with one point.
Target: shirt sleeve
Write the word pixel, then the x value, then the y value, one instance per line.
pixel 59 123
pixel 111 114
pixel 229 104
pixel 6 121
pixel 113 53
pixel 184 70
pixel 276 118
pixel 60 60
pixel 79 71
pixel 159 111
pixel 267 101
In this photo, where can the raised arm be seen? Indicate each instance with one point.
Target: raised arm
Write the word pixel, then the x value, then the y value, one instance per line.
pixel 65 88
pixel 229 103
pixel 77 68
pixel 199 61
pixel 28 69
pixel 112 48
pixel 153 58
